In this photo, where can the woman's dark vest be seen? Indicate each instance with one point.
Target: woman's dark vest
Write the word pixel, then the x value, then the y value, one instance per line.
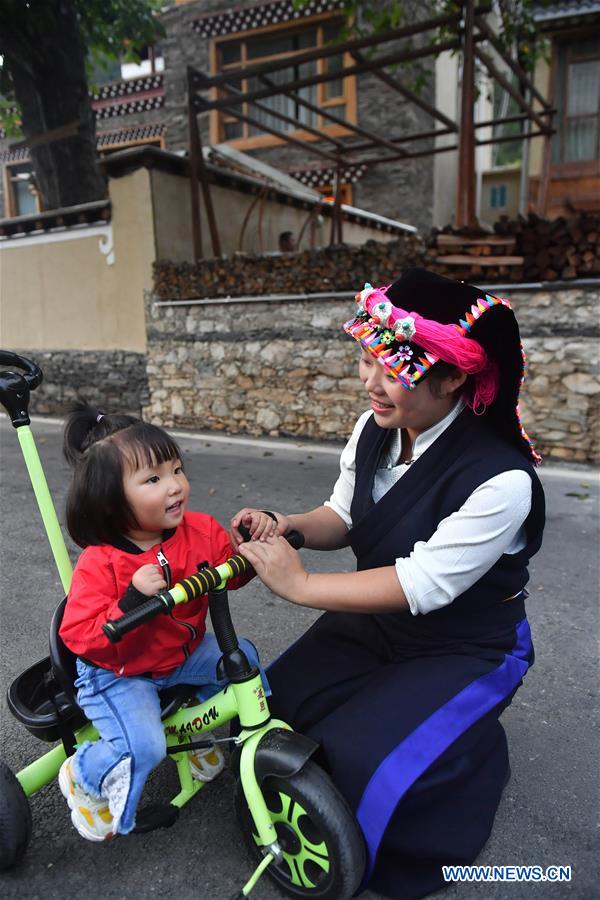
pixel 438 483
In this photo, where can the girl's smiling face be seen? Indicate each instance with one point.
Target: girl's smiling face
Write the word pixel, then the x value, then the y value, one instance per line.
pixel 157 495
pixel 396 407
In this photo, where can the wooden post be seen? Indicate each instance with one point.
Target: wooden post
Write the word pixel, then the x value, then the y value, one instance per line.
pixel 336 225
pixel 195 200
pixel 542 196
pixel 199 166
pixel 465 192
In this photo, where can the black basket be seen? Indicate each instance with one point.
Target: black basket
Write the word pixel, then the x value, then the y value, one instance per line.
pixel 37 700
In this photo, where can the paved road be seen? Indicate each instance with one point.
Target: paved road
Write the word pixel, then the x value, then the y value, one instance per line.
pixel 548 810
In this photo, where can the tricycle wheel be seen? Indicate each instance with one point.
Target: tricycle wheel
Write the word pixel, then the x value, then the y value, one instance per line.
pixel 323 848
pixel 15 819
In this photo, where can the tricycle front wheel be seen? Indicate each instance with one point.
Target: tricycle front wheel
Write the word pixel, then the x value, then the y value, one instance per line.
pixel 15 819
pixel 323 848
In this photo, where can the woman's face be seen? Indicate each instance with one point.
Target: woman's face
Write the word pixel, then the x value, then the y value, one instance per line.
pixel 396 407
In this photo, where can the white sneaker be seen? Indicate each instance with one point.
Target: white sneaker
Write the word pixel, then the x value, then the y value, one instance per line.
pixel 206 764
pixel 89 815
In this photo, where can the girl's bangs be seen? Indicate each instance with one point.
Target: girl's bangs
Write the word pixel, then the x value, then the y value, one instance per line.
pixel 149 445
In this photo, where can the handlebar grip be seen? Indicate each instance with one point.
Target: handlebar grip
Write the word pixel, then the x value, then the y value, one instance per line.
pixel 115 629
pixel 295 539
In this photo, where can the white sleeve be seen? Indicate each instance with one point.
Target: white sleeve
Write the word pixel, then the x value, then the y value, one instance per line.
pixel 467 543
pixel 343 490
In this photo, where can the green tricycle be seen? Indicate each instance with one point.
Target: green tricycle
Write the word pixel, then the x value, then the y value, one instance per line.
pixel 297 825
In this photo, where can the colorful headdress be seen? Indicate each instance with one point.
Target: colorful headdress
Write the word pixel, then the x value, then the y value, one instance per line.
pixel 423 318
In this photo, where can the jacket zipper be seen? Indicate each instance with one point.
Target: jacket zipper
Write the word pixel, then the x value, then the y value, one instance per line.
pixel 166 570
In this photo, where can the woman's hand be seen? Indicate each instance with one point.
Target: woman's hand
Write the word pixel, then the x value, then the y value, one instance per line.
pixel 149 579
pixel 259 523
pixel 278 566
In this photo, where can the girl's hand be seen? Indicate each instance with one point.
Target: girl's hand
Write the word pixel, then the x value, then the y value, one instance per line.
pixel 260 525
pixel 278 566
pixel 149 579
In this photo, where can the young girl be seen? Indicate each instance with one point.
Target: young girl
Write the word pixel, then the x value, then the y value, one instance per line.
pixel 405 675
pixel 127 506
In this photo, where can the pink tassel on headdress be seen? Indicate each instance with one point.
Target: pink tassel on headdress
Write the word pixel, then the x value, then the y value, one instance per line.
pixel 448 344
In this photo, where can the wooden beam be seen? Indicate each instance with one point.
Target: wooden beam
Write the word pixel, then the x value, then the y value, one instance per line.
pixel 409 95
pixel 194 186
pixel 285 118
pixel 286 138
pixel 374 140
pixel 465 193
pixel 511 63
pixel 510 89
pixel 304 56
pixel 203 82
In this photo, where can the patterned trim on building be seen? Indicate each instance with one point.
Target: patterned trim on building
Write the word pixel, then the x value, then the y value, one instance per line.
pixel 126 135
pixel 129 86
pixel 143 104
pixel 103 139
pixel 323 177
pixel 19 155
pixel 215 24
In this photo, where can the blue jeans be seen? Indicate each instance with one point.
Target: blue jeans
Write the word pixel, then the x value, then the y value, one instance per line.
pixel 126 712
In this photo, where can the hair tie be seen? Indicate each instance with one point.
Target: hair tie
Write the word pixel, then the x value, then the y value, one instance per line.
pixel 98 417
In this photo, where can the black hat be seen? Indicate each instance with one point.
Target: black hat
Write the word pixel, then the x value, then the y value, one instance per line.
pixel 388 326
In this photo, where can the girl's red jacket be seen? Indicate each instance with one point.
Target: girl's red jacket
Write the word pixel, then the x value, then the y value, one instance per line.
pixel 102 577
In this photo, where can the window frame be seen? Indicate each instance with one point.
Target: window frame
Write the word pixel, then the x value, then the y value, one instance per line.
pixel 566 45
pixel 250 142
pixel 9 193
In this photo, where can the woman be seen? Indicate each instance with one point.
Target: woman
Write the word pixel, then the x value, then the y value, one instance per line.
pixel 419 651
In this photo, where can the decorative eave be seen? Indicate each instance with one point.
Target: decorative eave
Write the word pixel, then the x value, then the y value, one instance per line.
pixel 103 139
pixel 320 176
pixel 129 86
pixel 85 214
pixel 258 16
pixel 128 135
pixel 556 16
pixel 133 95
pixel 129 160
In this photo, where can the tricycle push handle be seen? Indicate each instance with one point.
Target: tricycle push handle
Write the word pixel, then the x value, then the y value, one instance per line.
pixel 16 386
pixel 205 580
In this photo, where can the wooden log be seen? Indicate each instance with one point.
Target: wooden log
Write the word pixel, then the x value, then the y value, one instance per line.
pixel 460 260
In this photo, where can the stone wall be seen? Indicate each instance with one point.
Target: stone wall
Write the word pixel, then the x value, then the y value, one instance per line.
pixel 111 380
pixel 286 368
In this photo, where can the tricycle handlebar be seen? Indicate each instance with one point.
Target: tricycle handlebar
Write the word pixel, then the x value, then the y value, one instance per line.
pixel 203 581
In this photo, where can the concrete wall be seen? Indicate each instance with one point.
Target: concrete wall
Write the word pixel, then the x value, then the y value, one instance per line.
pixel 267 218
pixel 82 288
pixel 288 368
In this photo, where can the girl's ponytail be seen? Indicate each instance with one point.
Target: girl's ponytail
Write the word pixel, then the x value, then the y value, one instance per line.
pixel 85 425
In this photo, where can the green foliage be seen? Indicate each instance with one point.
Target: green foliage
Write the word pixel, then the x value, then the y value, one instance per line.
pixel 111 30
pixel 517 32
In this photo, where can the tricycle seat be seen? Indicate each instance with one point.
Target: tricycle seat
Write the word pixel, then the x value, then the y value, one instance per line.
pixel 44 699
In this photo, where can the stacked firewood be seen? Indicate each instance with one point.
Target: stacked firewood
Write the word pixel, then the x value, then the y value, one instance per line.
pixel 530 249
pixel 560 249
pixel 474 255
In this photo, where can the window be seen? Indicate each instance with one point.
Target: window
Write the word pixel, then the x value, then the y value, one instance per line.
pixel 336 96
pixel 21 193
pixel 508 153
pixel 498 196
pixel 578 102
